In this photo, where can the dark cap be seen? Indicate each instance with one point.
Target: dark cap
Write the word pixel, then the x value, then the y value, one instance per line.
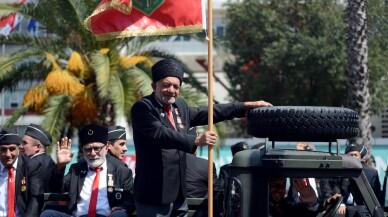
pixel 167 68
pixel 38 133
pixel 354 147
pixel 116 132
pixel 240 146
pixel 9 136
pixel 93 133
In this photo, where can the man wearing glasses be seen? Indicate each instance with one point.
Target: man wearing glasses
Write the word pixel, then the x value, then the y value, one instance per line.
pixel 97 186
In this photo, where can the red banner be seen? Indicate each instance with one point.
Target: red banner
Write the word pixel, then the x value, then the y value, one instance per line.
pixel 126 18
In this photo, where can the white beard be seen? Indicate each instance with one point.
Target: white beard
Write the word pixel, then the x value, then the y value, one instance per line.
pixel 96 162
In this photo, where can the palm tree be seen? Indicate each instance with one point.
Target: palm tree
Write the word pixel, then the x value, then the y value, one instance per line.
pixel 357 68
pixel 82 80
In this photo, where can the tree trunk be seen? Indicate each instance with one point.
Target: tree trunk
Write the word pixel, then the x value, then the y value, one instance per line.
pixel 357 68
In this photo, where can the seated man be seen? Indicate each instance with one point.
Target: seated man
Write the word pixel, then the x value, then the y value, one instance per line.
pixel 97 186
pixel 308 204
pixel 197 183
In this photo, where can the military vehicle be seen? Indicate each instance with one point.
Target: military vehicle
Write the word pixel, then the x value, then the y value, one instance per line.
pixel 250 171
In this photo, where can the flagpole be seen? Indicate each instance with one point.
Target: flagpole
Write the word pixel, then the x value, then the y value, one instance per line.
pixel 210 103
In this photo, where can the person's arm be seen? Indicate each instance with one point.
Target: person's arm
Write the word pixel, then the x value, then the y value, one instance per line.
pixel 64 156
pixel 307 196
pixel 35 189
pixel 148 127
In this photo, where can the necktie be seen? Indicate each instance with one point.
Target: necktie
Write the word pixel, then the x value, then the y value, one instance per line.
pixel 167 109
pixel 306 181
pixel 11 192
pixel 93 198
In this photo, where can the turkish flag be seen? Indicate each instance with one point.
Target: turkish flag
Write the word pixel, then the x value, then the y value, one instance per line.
pixel 126 18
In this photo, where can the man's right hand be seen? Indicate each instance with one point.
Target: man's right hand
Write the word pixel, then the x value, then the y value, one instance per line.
pixel 206 139
pixel 64 153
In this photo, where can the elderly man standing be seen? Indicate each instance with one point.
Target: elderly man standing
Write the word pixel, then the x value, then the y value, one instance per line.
pixel 21 185
pixel 97 186
pixel 161 123
pixel 33 145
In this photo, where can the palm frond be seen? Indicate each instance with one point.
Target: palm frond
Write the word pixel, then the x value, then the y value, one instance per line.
pixel 141 80
pixel 192 96
pixel 136 84
pixel 16 115
pixel 55 113
pixel 6 9
pixel 135 45
pixel 117 94
pixel 7 64
pixel 101 65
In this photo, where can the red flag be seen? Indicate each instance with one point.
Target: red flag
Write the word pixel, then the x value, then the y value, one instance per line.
pixel 126 18
pixel 9 22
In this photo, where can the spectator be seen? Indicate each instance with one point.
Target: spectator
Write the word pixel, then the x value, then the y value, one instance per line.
pixel 360 152
pixel 97 186
pixel 21 184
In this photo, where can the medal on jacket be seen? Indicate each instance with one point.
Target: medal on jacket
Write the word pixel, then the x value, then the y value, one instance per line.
pixel 178 118
pixel 23 188
pixel 110 183
pixel 161 113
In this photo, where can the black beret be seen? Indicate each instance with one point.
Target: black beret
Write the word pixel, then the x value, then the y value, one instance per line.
pixel 240 146
pixel 9 136
pixel 354 147
pixel 93 133
pixel 116 132
pixel 167 68
pixel 39 133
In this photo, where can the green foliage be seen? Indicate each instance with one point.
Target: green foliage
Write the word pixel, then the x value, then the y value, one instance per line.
pixel 378 54
pixel 293 53
pixel 287 52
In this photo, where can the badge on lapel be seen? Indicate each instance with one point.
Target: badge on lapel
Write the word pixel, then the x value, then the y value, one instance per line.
pixel 110 183
pixel 23 188
pixel 179 119
pixel 161 113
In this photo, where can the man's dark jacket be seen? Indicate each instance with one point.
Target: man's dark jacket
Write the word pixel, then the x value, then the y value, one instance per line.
pixel 48 167
pixel 197 184
pixel 373 178
pixel 29 196
pixel 74 180
pixel 160 150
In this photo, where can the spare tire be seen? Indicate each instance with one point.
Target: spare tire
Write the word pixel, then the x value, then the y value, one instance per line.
pixel 302 123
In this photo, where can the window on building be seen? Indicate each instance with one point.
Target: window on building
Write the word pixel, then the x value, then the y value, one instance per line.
pixel 220 31
pixel 14 100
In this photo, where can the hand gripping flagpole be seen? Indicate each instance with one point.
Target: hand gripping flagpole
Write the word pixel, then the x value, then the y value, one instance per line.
pixel 210 107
